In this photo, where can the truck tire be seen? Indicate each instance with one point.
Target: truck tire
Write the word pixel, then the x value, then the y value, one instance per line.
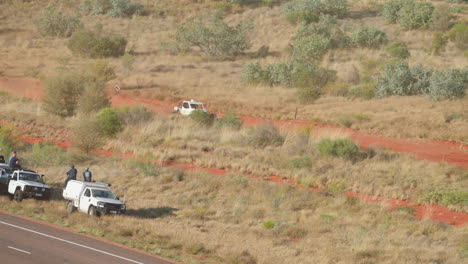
pixel 18 196
pixel 92 211
pixel 70 207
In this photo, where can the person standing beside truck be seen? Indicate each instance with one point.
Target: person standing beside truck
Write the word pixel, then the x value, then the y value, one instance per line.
pixel 87 175
pixel 71 174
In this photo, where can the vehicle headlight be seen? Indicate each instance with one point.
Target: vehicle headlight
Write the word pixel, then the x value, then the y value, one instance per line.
pixel 101 204
pixel 123 207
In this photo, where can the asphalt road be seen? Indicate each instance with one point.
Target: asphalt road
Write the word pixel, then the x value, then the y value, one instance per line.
pixel 23 241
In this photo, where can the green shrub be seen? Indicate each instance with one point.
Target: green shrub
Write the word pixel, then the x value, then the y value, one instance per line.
pixel 213 36
pixel 459 35
pixel 447 84
pixel 414 15
pixel 54 23
pixel 309 94
pixel 398 50
pixel 264 135
pixel 45 154
pixel 400 79
pixel 391 9
pixel 368 37
pixel 9 141
pixel 343 148
pixel 300 162
pixel 229 120
pixel 109 122
pixel 328 28
pixel 310 48
pixel 448 197
pixel 203 118
pixel 253 73
pixel 453 116
pixel 113 8
pixel 92 45
pixel 61 94
pixel 439 41
pixel 85 134
pixel 269 224
pixel 441 18
pixel 130 116
pixel 310 10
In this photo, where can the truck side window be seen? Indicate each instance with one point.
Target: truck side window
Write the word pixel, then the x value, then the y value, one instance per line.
pixel 186 105
pixel 15 177
pixel 87 193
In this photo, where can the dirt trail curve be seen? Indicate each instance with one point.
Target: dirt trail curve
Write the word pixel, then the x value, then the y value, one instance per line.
pixel 432 150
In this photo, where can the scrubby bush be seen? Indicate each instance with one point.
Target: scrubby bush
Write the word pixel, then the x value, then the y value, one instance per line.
pixel 398 50
pixel 93 98
pixel 54 23
pixel 85 134
pixel 45 154
pixel 414 15
pixel 447 197
pixel 113 8
pixel 253 73
pixel 441 18
pixel 134 115
pixel 264 135
pixel 213 36
pixel 203 118
pixel 61 94
pixel 99 71
pixel 9 141
pixel 400 79
pixel 300 162
pixel 365 91
pixel 343 148
pixel 368 37
pixel 229 120
pixel 448 84
pixel 310 48
pixel 439 41
pixel 459 35
pixel 93 45
pixel 310 10
pixel 108 122
pixel 391 9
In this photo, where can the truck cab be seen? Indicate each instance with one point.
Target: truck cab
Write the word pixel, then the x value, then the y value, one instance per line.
pixel 27 184
pixel 187 107
pixel 5 173
pixel 93 198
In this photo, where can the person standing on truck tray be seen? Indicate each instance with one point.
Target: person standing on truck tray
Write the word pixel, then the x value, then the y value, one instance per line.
pixel 71 174
pixel 87 175
pixel 13 159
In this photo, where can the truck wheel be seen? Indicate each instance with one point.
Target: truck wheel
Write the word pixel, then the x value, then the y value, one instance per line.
pixel 18 196
pixel 92 211
pixel 70 207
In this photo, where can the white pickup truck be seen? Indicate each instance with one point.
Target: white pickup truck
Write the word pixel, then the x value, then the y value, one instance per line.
pixel 27 184
pixel 187 107
pixel 93 198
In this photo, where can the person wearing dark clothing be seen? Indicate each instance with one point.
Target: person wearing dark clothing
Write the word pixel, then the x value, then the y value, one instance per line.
pixel 2 159
pixel 87 175
pixel 71 174
pixel 13 160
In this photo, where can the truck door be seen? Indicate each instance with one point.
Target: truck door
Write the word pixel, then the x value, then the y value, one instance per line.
pixel 85 200
pixel 12 184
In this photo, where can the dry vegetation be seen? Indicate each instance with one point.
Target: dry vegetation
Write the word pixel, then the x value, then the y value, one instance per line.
pixel 156 72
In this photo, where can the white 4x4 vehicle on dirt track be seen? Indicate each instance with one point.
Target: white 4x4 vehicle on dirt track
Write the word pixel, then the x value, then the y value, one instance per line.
pixel 187 107
pixel 93 198
pixel 27 184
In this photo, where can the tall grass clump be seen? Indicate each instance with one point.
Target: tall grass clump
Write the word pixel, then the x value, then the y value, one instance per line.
pixel 447 197
pixel 55 24
pixel 213 37
pixel 134 115
pixel 45 154
pixel 113 8
pixel 343 148
pixel 264 135
pixel 368 37
pixel 93 45
pixel 203 118
pixel 229 120
pixel 309 11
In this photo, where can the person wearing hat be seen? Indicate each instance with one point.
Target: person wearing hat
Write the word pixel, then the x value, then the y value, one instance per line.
pixel 71 174
pixel 87 175
pixel 13 160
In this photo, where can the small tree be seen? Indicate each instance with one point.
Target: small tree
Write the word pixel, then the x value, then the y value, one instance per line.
pixel 213 36
pixel 448 84
pixel 398 50
pixel 93 99
pixel 92 45
pixel 203 118
pixel 85 134
pixel 414 15
pixel 391 9
pixel 61 94
pixel 368 37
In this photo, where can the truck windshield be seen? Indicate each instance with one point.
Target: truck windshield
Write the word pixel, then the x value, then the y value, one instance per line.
pixel 196 106
pixel 103 194
pixel 30 177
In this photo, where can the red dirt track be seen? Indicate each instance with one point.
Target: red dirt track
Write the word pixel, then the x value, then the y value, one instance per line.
pixel 432 150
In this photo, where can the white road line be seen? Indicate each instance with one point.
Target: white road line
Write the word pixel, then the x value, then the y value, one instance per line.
pixel 70 242
pixel 24 251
